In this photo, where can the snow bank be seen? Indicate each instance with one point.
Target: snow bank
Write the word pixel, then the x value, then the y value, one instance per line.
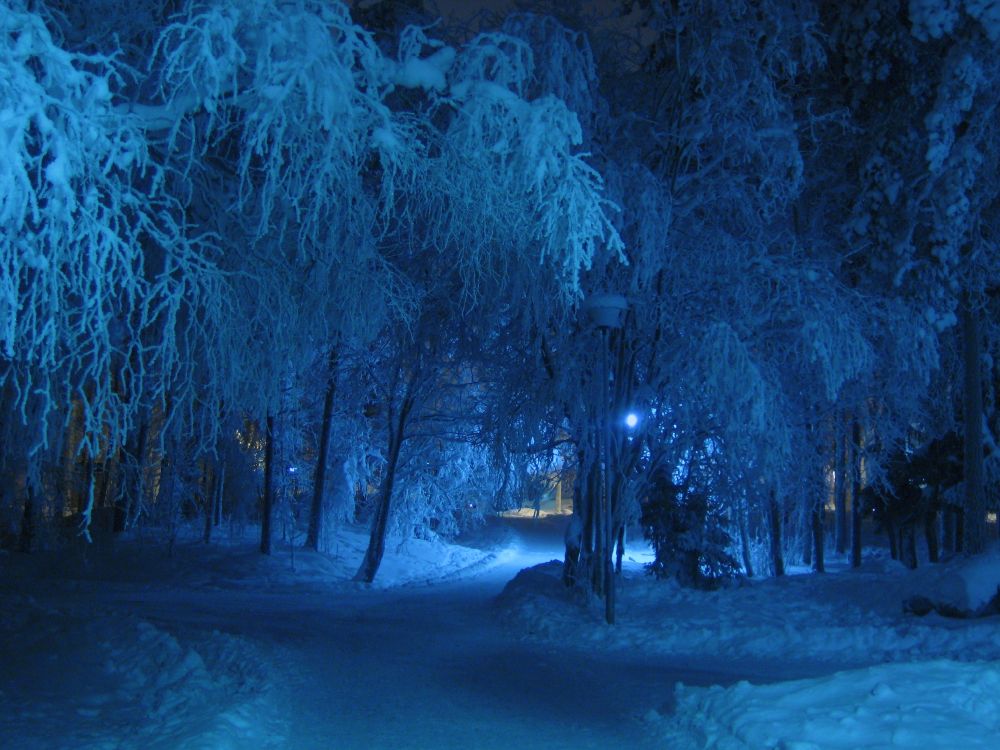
pixel 76 674
pixel 967 586
pixel 850 618
pixel 89 679
pixel 925 705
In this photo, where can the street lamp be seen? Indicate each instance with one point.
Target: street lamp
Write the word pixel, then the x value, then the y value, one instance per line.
pixel 607 311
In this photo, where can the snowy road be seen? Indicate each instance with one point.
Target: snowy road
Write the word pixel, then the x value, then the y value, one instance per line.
pixel 428 666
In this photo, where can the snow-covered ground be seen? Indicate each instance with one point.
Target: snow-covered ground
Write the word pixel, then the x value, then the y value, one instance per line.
pixel 218 647
pixel 869 675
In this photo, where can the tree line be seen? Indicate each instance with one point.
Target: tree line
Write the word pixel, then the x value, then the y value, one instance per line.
pixel 285 263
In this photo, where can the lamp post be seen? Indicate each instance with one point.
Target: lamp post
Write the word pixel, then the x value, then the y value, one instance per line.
pixel 607 312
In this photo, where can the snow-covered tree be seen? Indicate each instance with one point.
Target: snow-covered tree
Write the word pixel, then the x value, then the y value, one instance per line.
pixel 928 178
pixel 103 288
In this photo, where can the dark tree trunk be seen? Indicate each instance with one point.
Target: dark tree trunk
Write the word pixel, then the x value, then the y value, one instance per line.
pixel 817 536
pixel 774 517
pixel 807 540
pixel 976 535
pixel 908 546
pixel 931 534
pixel 840 489
pixel 743 522
pixel 134 465
pixel 856 494
pixel 208 484
pixel 220 491
pixel 380 524
pixel 316 515
pixel 267 506
pixel 893 535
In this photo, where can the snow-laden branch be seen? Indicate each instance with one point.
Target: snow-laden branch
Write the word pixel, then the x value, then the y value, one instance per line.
pixel 99 279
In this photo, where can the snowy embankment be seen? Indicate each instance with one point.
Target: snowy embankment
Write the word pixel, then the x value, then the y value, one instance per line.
pixel 935 683
pixel 922 705
pixel 76 677
pixel 79 669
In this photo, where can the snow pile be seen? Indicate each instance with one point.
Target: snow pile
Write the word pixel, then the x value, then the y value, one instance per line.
pixel 969 587
pixel 925 705
pixel 850 618
pixel 90 679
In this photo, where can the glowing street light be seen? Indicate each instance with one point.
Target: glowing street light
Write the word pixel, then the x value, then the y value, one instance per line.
pixel 631 420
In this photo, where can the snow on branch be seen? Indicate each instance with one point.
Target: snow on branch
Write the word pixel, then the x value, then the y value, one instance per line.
pixel 70 257
pixel 301 87
pixel 528 148
pixel 98 280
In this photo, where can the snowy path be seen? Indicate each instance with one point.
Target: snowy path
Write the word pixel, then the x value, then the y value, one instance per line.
pixel 220 648
pixel 427 666
pixel 217 647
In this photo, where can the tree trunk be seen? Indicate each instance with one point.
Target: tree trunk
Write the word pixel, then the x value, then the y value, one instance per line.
pixel 840 488
pixel 585 503
pixel 573 537
pixel 743 521
pixel 856 509
pixel 220 491
pixel 893 534
pixel 817 536
pixel 774 517
pixel 976 536
pixel 134 464
pixel 380 524
pixel 908 546
pixel 208 483
pixel 315 532
pixel 931 534
pixel 267 506
pixel 591 565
